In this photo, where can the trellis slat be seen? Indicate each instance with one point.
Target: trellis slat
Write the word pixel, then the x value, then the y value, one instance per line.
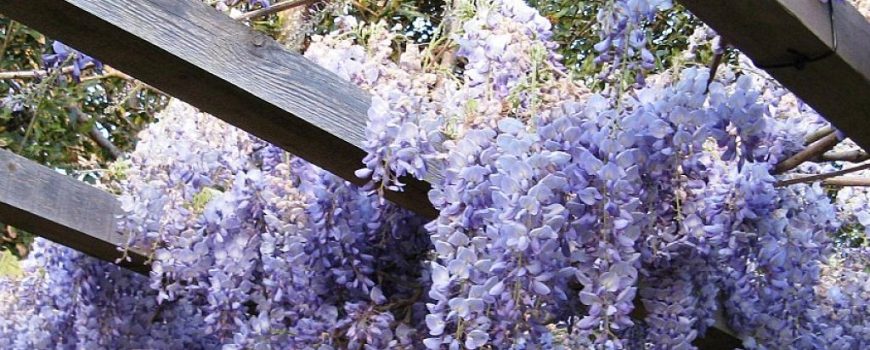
pixel 60 208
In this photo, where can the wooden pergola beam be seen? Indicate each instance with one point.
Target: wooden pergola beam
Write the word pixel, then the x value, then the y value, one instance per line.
pixel 55 206
pixel 199 55
pixel 776 32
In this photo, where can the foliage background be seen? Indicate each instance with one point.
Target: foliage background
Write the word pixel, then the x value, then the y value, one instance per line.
pixel 49 117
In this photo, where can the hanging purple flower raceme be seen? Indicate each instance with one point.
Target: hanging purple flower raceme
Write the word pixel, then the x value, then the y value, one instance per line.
pixel 843 321
pixel 403 126
pixel 64 54
pixel 623 34
pixel 77 298
pixel 502 268
pixel 282 252
pixel 558 209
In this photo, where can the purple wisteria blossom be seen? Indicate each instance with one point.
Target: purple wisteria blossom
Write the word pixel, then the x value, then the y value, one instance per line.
pixel 64 54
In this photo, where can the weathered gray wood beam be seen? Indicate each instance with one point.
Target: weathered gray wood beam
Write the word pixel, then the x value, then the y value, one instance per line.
pixel 226 69
pixel 42 201
pixel 773 32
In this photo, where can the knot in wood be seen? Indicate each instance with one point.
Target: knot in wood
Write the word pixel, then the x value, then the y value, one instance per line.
pixel 259 40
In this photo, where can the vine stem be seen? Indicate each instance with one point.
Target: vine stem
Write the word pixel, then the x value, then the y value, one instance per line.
pixel 819 177
pixel 717 60
pixel 95 134
pixel 39 73
pixel 847 181
pixel 819 134
pixel 281 6
pixel 114 73
pixel 36 93
pixel 854 156
pixel 10 33
pixel 454 25
pixel 812 151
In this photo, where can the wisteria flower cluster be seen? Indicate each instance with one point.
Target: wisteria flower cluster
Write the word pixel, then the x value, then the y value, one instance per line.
pixel 623 34
pixel 561 213
pixel 252 248
pixel 64 55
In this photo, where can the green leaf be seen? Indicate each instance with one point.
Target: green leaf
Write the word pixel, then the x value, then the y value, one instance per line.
pixel 9 266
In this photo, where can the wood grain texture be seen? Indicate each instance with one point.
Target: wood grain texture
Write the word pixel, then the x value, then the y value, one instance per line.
pixel 201 56
pixel 838 87
pixel 41 201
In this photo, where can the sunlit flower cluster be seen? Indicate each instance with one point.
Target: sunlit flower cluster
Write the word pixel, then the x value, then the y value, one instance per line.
pixel 560 211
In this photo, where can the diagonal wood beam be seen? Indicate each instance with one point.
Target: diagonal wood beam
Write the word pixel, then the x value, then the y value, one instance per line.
pixel 772 32
pixel 55 206
pixel 201 56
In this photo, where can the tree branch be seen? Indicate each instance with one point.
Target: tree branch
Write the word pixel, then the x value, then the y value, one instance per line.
pixel 109 72
pixel 281 6
pixel 448 58
pixel 95 134
pixel 819 177
pixel 818 134
pixel 846 181
pixel 41 73
pixel 103 142
pixel 114 73
pixel 10 33
pixel 717 60
pixel 854 156
pixel 812 151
